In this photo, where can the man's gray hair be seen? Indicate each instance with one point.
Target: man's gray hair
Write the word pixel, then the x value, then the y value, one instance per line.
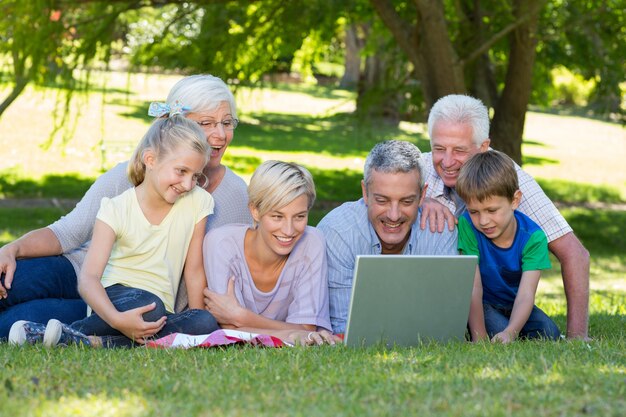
pixel 393 156
pixel 456 108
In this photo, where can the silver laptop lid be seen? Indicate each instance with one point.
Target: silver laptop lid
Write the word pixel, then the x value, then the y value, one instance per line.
pixel 408 299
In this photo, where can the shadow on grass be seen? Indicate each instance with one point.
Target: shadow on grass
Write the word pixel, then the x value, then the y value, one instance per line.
pixel 49 186
pixel 607 325
pixel 317 91
pixel 575 192
pixel 601 231
pixel 14 222
pixel 538 161
pixel 341 134
pixel 138 110
pixel 79 86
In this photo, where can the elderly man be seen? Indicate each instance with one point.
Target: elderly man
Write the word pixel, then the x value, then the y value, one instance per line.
pixel 384 221
pixel 458 127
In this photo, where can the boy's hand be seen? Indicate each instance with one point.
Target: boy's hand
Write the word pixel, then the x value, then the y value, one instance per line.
pixel 504 337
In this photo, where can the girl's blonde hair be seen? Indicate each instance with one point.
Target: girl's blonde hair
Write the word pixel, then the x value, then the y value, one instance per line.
pixel 163 137
pixel 275 184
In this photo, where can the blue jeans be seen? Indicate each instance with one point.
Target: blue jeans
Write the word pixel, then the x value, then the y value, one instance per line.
pixel 126 298
pixel 538 325
pixel 42 289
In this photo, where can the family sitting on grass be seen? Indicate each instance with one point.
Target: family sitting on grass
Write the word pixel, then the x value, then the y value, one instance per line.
pixel 173 242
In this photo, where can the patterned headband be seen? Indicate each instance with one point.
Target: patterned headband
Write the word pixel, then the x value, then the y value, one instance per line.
pixel 163 109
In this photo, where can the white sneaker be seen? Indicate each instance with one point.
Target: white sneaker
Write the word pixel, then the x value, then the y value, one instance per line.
pixel 17 334
pixel 24 331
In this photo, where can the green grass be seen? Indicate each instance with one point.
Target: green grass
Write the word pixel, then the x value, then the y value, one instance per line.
pixel 312 126
pixel 576 192
pixel 525 379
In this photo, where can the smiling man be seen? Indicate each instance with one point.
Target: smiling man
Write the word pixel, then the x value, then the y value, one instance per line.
pixel 384 221
pixel 458 127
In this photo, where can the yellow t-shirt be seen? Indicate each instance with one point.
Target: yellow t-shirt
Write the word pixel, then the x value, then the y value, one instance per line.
pixel 151 257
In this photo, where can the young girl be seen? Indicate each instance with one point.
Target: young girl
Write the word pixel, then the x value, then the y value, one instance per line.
pixel 271 277
pixel 143 240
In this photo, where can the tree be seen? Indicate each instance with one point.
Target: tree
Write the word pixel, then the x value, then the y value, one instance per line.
pixel 46 43
pixel 588 37
pixel 442 60
pixel 426 49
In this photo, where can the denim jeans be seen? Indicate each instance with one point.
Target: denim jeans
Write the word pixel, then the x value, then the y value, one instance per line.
pixel 538 325
pixel 127 298
pixel 42 289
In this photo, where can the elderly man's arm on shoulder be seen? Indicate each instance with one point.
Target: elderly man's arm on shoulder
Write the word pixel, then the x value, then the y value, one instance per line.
pixel 574 259
pixel 437 215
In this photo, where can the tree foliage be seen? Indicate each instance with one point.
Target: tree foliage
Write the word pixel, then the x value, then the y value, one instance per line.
pixel 412 51
pixel 237 40
pixel 588 37
pixel 45 41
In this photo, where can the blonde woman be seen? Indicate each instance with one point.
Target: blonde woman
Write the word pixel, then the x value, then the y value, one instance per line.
pixel 271 277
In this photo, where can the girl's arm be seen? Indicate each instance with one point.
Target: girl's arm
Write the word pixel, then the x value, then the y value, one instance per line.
pixel 193 272
pixel 130 322
pixel 229 314
pixel 476 315
pixel 522 307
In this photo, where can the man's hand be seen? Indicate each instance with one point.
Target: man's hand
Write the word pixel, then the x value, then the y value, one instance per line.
pixel 224 307
pixel 437 215
pixel 133 326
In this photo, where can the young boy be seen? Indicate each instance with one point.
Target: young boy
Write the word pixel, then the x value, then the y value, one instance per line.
pixel 512 250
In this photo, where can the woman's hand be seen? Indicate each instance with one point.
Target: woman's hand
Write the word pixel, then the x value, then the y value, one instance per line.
pixel 133 326
pixel 305 338
pixel 7 268
pixel 224 307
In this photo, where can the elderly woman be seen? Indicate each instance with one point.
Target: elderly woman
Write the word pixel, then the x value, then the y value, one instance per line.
pixel 271 277
pixel 39 271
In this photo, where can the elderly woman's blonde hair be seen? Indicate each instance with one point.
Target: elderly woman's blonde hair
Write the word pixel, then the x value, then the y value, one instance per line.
pixel 275 184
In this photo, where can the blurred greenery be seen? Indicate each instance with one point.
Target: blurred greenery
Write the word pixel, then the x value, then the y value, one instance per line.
pixel 575 192
pixel 601 231
pixel 13 185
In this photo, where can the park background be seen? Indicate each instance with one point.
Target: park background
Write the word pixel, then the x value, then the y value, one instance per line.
pixel 319 83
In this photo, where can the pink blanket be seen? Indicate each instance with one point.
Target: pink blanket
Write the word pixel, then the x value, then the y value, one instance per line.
pixel 221 337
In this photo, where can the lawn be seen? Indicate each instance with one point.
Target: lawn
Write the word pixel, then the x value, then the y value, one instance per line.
pixel 576 160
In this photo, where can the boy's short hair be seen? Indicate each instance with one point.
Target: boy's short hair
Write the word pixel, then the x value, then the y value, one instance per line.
pixel 487 174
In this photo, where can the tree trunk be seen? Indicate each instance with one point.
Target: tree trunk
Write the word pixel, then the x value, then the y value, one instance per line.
pixel 507 127
pixel 443 70
pixel 479 73
pixel 17 90
pixel 378 97
pixel 428 47
pixel 352 68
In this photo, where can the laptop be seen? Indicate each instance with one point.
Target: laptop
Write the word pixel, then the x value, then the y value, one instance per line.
pixel 405 300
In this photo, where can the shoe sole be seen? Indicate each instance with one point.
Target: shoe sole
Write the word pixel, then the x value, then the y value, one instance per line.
pixel 51 337
pixel 17 334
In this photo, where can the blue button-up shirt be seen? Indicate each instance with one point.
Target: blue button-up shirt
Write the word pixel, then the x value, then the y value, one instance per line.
pixel 349 233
